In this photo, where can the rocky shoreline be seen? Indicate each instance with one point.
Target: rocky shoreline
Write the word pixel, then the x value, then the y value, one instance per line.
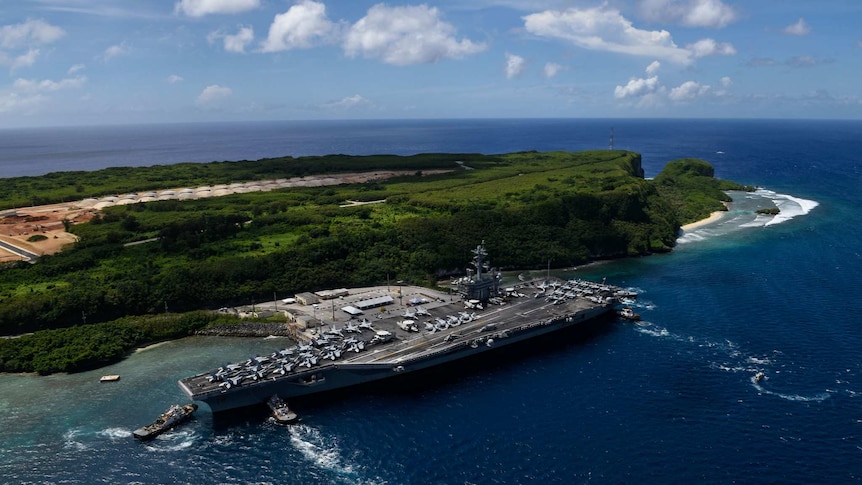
pixel 247 329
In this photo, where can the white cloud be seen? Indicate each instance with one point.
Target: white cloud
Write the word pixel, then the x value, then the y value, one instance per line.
pixel 213 93
pixel 199 8
pixel 637 87
pixel 349 102
pixel 406 35
pixel 302 26
pixel 173 79
pixel 799 28
pixel 688 91
pixel 604 29
pixel 233 42
pixel 76 69
pixel 552 69
pixel 14 102
pixel 115 51
pixel 726 81
pixel 515 65
pixel 25 60
pixel 653 67
pixel 709 47
pixel 690 13
pixel 31 32
pixel 47 85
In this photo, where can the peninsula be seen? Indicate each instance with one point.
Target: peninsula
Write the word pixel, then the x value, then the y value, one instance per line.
pixel 105 295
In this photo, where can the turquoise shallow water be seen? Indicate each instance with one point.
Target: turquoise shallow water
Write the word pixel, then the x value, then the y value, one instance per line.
pixel 671 399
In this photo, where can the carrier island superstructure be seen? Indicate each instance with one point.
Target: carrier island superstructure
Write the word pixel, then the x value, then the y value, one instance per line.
pixel 368 334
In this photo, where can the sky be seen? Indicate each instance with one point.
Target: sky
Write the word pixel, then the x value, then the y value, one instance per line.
pixel 96 62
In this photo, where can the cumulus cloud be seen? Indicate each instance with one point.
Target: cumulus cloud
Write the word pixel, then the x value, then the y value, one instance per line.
pixel 653 67
pixel 552 69
pixel 200 8
pixel 115 51
pixel 637 87
pixel 233 42
pixel 350 102
pixel 726 81
pixel 25 60
pixel 213 93
pixel 687 91
pixel 302 26
pixel 690 13
pixel 406 35
pixel 799 28
pixel 603 28
pixel 31 32
pixel 709 47
pixel 47 85
pixel 15 102
pixel 76 69
pixel 515 65
pixel 173 79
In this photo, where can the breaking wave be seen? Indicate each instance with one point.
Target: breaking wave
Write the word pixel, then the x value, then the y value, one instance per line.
pixel 743 214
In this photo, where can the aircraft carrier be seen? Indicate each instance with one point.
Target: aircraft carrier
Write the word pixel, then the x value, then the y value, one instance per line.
pixel 384 332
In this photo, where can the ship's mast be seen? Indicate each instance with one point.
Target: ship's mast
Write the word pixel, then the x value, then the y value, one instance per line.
pixel 485 284
pixel 479 260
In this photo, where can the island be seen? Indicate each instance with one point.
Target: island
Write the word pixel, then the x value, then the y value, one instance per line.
pixel 149 270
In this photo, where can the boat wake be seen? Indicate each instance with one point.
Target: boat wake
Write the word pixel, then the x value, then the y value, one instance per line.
pixel 116 433
pixel 726 356
pixel 758 384
pixel 324 453
pixel 172 441
pixel 743 214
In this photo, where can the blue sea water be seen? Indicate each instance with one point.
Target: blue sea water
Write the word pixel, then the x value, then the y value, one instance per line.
pixel 672 399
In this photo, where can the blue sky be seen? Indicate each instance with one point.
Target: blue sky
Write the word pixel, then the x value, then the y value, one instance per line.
pixel 86 62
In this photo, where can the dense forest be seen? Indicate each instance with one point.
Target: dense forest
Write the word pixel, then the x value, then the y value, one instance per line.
pixel 529 208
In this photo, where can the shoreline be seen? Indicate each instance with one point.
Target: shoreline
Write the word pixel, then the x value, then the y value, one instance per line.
pixel 715 216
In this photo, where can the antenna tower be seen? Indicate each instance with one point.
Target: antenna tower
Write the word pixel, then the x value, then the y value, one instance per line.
pixel 611 142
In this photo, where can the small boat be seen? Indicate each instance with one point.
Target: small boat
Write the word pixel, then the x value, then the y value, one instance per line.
pixel 280 411
pixel 110 378
pixel 175 415
pixel 628 314
pixel 759 376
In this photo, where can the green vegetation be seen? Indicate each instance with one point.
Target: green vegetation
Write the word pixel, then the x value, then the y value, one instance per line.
pixel 529 207
pixel 89 346
pixel 70 186
pixel 37 237
pixel 689 186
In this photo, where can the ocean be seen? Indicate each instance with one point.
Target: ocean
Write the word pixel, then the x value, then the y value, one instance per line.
pixel 672 399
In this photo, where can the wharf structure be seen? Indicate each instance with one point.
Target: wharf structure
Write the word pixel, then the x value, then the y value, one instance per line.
pixel 381 332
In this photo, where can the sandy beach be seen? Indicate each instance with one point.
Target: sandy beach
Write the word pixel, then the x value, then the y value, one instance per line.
pixel 694 225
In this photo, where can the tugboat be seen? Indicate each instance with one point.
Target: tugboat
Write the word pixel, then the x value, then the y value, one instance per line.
pixel 280 411
pixel 629 314
pixel 175 415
